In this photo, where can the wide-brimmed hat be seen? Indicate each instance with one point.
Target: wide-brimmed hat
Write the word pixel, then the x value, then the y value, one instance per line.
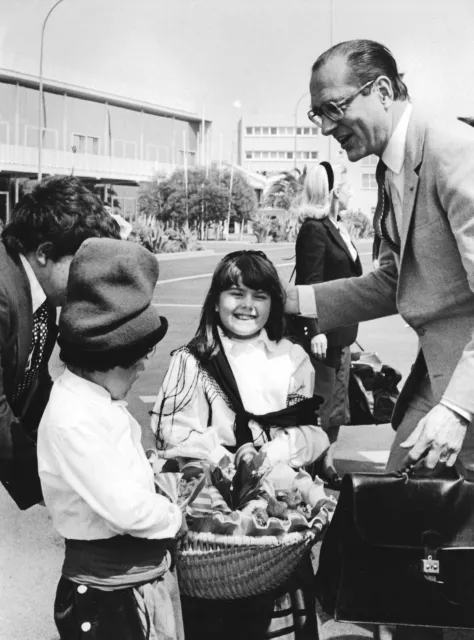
pixel 108 310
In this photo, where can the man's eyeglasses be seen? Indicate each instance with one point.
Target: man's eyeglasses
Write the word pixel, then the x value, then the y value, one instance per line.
pixel 335 110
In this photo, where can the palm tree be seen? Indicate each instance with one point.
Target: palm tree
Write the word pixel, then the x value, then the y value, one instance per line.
pixel 284 189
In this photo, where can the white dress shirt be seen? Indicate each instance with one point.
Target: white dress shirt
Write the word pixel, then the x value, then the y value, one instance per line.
pixel 196 421
pixel 38 296
pixel 96 479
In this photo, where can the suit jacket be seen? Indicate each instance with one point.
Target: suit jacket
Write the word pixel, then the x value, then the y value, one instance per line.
pixel 431 283
pixel 19 422
pixel 323 256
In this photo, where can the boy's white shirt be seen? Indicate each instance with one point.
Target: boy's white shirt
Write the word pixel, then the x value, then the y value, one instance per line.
pixel 96 479
pixel 266 373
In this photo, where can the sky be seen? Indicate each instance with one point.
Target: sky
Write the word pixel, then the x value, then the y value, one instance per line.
pixel 228 59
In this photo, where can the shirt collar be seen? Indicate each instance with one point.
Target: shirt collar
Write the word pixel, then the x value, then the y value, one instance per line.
pixel 230 345
pixel 38 296
pixel 88 389
pixel 394 154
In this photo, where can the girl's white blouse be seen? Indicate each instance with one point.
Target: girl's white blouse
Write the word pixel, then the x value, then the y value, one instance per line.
pixel 194 420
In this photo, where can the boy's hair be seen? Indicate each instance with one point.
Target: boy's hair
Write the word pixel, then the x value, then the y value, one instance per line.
pixel 125 358
pixel 255 271
pixel 60 211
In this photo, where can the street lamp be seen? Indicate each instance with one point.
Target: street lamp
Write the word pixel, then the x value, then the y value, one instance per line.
pixel 296 123
pixel 40 95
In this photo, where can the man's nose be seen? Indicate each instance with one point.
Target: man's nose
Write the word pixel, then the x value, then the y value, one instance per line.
pixel 327 125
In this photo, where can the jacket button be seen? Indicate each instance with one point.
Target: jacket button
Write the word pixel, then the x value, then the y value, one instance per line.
pixel 421 331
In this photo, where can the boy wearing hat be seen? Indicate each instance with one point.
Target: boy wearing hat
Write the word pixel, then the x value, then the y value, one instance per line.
pixel 97 482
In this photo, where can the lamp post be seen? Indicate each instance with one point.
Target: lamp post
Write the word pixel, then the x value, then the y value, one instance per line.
pixel 40 93
pixel 296 124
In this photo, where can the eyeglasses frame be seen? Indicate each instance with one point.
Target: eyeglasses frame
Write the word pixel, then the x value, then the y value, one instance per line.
pixel 341 105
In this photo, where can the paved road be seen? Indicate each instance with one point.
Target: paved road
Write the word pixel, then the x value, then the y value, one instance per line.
pixel 30 552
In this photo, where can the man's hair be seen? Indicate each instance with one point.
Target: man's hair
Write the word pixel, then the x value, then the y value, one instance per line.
pixel 367 60
pixel 61 211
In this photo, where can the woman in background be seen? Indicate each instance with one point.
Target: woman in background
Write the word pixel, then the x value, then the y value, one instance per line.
pixel 324 251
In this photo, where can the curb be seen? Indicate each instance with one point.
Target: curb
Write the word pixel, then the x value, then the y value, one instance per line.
pixel 163 257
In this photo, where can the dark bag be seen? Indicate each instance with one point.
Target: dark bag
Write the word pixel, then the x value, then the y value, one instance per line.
pixel 400 550
pixel 372 392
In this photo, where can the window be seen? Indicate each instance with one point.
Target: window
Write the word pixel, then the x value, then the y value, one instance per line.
pixel 273 131
pixel 298 131
pixel 257 131
pixel 249 131
pixel 4 133
pixel 290 131
pixel 124 149
pixel 273 155
pixel 306 155
pixel 369 181
pixel 157 153
pixel 265 131
pixel 370 161
pixel 50 137
pixel 282 131
pixel 85 144
pixel 257 155
pixel 281 155
pixel 289 155
pixel 314 155
pixel 306 131
pixel 314 131
pixel 265 155
pixel 248 155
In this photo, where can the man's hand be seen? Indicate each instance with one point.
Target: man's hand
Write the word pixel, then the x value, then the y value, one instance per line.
pixel 319 346
pixel 440 433
pixel 292 304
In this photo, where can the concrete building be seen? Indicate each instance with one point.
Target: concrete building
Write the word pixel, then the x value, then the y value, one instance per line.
pixel 271 145
pixel 115 142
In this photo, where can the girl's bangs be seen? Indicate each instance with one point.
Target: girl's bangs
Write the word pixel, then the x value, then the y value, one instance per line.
pixel 258 277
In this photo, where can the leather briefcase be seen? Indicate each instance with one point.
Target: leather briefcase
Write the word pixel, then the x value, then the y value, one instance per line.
pixel 400 550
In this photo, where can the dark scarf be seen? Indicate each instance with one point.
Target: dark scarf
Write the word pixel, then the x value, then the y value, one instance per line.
pixel 300 413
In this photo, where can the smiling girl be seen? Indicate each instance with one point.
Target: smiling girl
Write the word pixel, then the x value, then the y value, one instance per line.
pixel 240 381
pixel 237 369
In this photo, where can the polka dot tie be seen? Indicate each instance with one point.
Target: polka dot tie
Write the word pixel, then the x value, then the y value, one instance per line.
pixel 383 209
pixel 38 342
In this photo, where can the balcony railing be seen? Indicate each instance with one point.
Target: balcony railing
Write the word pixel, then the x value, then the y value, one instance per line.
pixel 21 159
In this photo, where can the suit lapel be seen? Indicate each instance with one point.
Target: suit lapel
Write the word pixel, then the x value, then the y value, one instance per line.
pixel 336 236
pixel 413 158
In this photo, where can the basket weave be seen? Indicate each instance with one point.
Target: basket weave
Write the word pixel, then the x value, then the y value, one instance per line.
pixel 220 567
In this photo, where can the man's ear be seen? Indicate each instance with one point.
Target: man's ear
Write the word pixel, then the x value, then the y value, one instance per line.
pixel 383 86
pixel 43 253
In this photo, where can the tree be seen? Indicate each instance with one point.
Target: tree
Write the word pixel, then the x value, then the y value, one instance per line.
pixel 202 199
pixel 285 189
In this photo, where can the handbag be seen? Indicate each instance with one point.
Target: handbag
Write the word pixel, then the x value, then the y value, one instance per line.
pixel 400 550
pixel 373 390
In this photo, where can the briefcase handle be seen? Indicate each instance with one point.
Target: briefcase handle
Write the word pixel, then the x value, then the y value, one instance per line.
pixel 457 472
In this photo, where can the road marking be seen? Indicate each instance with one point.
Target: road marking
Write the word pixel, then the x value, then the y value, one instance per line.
pixel 193 306
pixel 148 399
pixel 379 457
pixel 209 275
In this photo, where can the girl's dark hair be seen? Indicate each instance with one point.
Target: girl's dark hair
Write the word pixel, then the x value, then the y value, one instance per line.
pixel 367 60
pixel 255 271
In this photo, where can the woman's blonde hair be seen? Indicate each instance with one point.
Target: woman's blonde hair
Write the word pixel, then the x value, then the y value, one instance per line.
pixel 315 197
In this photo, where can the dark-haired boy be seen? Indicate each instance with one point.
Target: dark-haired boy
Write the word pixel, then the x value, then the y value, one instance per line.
pixel 47 228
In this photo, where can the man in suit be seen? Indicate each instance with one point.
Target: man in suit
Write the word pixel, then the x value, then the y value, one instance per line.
pixel 425 219
pixel 47 227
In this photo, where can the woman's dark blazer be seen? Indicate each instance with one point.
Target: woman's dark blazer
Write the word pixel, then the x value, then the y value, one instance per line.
pixel 322 255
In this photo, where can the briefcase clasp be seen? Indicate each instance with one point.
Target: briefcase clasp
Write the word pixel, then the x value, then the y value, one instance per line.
pixel 430 566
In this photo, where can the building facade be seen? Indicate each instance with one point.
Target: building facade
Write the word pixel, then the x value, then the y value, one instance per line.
pixel 271 145
pixel 114 142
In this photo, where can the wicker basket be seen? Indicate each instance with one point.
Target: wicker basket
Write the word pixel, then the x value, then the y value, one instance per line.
pixel 220 567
